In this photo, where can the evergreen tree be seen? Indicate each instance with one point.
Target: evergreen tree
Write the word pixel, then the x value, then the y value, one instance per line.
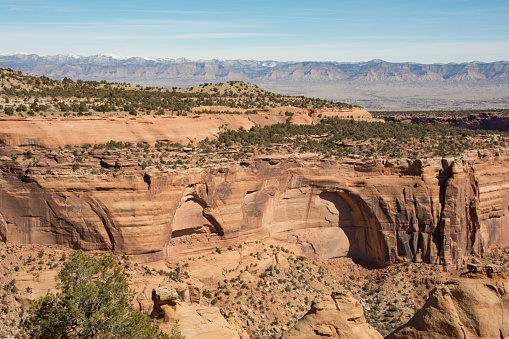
pixel 94 303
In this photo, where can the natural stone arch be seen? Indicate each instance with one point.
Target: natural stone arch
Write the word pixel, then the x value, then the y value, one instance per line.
pixel 362 228
pixel 330 222
pixel 191 217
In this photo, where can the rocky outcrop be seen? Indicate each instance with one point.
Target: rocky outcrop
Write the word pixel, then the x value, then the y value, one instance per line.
pixel 198 322
pixel 339 315
pixel 377 212
pixel 194 321
pixel 474 306
pixel 164 296
pixel 57 132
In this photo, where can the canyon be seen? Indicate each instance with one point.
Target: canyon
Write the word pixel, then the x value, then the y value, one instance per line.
pixel 442 212
pixel 216 213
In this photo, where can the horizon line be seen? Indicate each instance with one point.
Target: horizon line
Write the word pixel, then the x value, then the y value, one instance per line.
pixel 124 58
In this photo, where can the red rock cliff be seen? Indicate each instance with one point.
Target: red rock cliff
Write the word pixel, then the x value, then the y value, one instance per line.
pixel 438 211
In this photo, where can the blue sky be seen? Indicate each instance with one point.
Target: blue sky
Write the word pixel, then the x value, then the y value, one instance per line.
pixel 426 31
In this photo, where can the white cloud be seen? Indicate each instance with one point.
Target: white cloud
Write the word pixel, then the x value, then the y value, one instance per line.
pixel 186 36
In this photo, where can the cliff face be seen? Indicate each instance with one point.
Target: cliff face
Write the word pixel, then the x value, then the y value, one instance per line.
pixel 57 132
pixel 438 211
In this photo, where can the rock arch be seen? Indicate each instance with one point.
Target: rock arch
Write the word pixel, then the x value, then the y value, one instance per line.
pixel 191 217
pixel 329 222
pixel 361 226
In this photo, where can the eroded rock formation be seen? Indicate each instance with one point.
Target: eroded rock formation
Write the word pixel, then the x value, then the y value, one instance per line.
pixel 437 211
pixel 194 321
pixel 474 306
pixel 339 315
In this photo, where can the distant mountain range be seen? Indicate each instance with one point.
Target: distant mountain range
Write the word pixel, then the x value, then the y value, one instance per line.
pixel 307 78
pixel 109 67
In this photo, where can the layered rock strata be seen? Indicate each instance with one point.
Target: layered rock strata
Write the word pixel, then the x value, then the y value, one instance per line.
pixel 378 212
pixel 58 131
pixel 488 121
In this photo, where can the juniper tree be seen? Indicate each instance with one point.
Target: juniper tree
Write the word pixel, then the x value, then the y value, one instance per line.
pixel 94 302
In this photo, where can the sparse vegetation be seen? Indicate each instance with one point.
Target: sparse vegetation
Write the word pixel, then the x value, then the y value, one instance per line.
pixel 389 296
pixel 82 98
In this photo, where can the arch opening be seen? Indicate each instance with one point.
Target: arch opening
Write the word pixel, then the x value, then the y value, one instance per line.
pixel 360 226
pixel 191 218
pixel 329 223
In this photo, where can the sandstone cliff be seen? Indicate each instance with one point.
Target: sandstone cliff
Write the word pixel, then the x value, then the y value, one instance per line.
pixel 377 212
pixel 57 132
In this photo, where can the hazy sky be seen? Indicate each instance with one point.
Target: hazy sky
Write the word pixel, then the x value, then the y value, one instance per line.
pixel 424 31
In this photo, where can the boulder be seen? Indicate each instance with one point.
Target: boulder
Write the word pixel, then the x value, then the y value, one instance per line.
pixel 339 315
pixel 198 322
pixel 472 306
pixel 164 296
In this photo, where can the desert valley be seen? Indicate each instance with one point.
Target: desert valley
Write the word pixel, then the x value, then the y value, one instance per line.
pixel 235 212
